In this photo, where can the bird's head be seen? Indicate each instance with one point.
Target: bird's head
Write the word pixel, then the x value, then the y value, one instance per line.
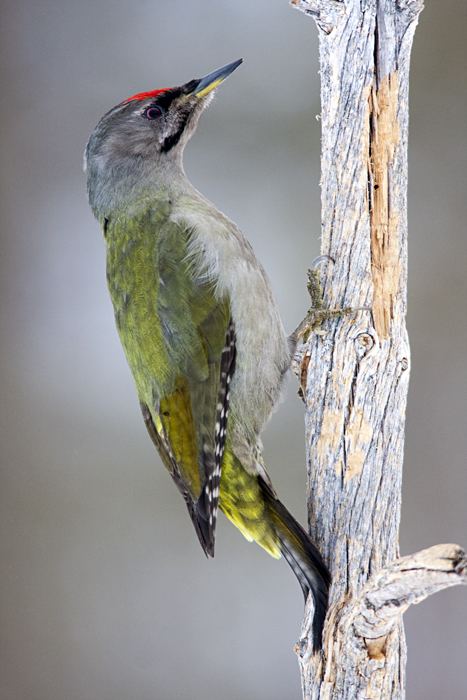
pixel 144 133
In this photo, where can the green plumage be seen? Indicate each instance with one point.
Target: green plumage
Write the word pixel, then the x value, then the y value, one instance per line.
pixel 198 323
pixel 173 328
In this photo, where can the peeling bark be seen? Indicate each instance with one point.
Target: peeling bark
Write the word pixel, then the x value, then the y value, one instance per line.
pixel 354 373
pixel 383 139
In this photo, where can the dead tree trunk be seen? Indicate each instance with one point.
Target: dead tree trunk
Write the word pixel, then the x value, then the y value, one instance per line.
pixel 354 373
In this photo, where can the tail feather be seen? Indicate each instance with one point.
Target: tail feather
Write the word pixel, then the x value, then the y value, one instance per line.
pixel 305 561
pixel 203 525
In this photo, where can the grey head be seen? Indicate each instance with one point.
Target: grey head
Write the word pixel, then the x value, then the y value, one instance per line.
pixel 138 144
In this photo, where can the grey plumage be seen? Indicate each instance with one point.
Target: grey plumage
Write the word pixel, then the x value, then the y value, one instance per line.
pixel 192 256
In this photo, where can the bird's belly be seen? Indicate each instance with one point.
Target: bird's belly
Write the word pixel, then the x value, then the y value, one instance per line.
pixel 262 350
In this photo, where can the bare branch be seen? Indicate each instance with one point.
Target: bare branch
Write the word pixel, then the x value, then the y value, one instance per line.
pixel 326 13
pixel 354 372
pixel 363 633
pixel 407 581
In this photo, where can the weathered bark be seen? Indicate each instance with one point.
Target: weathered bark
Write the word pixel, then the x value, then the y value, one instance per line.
pixel 354 373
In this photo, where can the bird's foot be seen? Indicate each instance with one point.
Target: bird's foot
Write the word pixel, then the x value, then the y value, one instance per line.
pixel 318 313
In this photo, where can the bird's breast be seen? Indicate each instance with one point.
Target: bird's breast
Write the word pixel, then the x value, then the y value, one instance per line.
pixel 134 287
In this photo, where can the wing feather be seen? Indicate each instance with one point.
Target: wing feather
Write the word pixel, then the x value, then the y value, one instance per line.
pixel 193 416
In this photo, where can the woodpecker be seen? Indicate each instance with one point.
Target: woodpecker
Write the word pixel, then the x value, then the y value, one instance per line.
pixel 198 323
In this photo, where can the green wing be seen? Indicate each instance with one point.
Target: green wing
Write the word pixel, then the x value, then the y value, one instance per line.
pixel 201 338
pixel 180 344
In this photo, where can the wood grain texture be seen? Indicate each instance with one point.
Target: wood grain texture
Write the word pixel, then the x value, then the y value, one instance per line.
pixel 354 373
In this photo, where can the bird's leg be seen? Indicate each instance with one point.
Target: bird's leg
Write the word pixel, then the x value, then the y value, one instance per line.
pixel 318 313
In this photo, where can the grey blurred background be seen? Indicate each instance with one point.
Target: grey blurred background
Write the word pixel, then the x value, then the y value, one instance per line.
pixel 105 593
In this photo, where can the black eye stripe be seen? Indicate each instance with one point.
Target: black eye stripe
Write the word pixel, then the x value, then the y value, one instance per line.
pixel 163 101
pixel 166 98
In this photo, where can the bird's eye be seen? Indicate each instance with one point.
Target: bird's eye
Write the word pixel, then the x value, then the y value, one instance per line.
pixel 153 112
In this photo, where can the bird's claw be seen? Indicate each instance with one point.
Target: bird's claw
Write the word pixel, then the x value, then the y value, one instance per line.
pixel 318 313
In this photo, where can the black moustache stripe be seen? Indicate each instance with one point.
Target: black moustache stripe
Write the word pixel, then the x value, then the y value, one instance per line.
pixel 173 139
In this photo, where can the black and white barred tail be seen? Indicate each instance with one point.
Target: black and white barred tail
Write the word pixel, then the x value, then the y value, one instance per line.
pixel 304 559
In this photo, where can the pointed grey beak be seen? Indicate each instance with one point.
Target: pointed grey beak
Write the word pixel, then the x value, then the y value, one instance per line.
pixel 212 80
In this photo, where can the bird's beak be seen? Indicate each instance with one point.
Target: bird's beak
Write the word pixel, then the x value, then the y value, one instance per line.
pixel 205 85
